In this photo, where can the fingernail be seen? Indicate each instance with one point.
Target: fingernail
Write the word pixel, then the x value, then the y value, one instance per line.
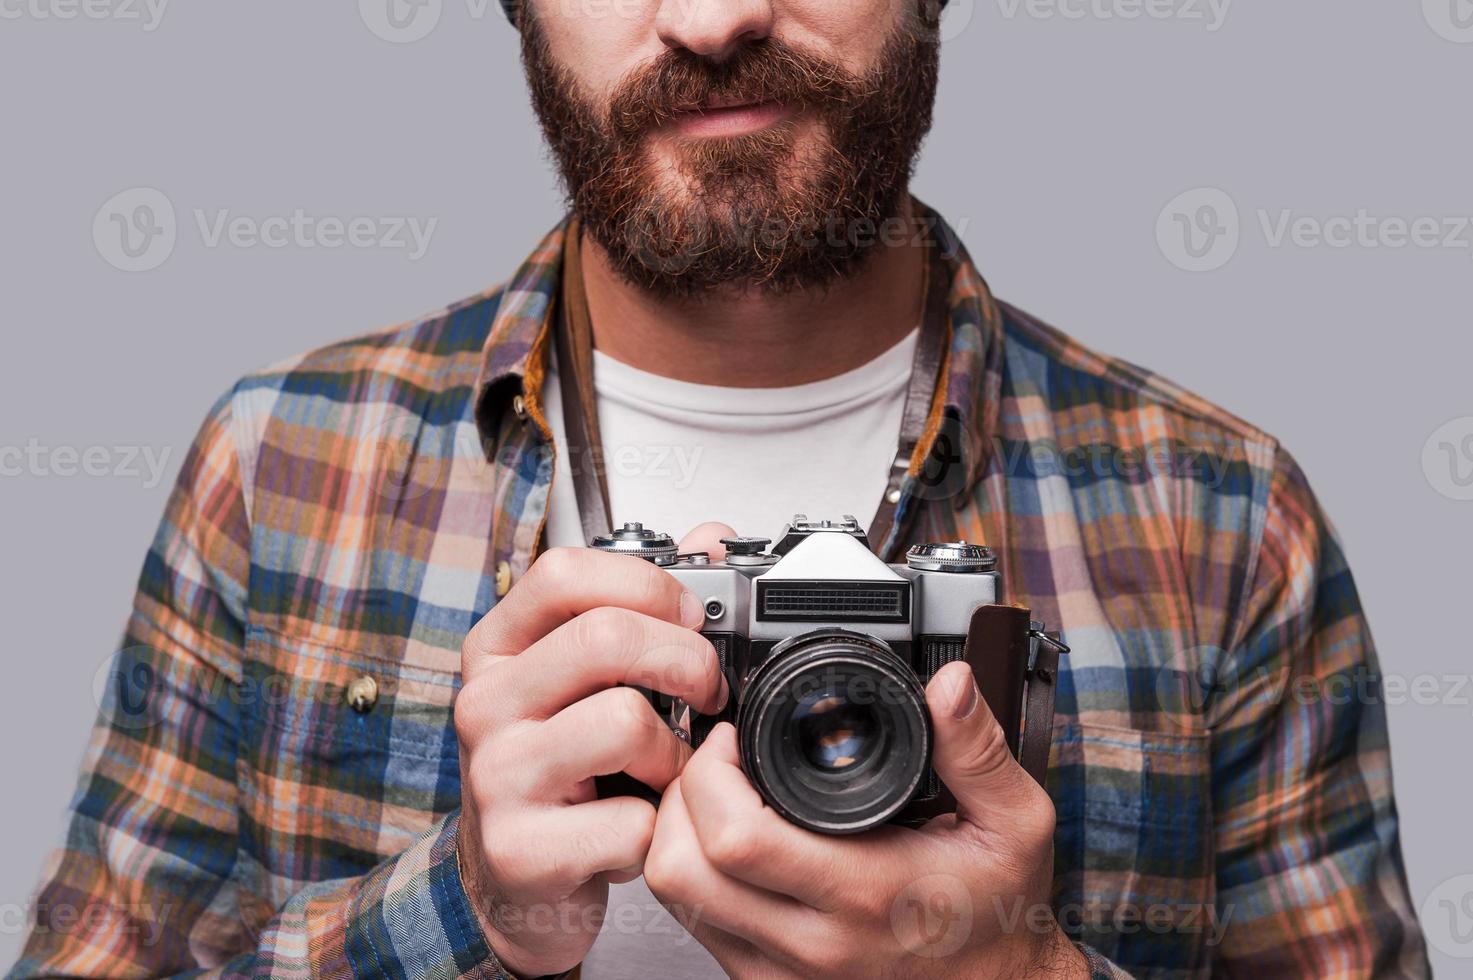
pixel 692 611
pixel 968 702
pixel 725 694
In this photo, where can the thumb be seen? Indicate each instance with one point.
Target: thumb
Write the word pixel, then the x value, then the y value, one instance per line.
pixel 707 537
pixel 971 753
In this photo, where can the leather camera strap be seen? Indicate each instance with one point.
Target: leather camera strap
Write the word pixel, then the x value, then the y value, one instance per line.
pixel 575 383
pixel 925 375
pixel 1038 717
pixel 1016 666
pixel 574 338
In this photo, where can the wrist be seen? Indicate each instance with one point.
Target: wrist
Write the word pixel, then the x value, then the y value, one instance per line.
pixel 477 897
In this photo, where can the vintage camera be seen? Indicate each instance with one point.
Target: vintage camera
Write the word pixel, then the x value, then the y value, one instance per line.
pixel 828 649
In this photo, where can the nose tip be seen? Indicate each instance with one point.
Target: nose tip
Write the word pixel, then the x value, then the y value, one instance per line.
pixel 713 28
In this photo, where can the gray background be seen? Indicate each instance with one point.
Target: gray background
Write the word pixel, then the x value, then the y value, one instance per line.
pixel 1057 144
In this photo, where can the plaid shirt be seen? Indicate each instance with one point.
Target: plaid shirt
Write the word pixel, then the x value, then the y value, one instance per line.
pixel 272 787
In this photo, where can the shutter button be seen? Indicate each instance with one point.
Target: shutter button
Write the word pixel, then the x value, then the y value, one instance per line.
pixel 362 694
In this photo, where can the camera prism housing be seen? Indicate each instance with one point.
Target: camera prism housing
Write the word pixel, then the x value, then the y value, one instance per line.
pixel 827 650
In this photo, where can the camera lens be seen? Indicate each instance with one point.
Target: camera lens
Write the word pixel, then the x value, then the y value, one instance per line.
pixel 833 731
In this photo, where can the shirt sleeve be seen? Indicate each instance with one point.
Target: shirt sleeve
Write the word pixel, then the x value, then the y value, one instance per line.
pixel 1310 880
pixel 145 882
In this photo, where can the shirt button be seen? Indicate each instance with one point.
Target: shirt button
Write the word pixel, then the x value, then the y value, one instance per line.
pixel 503 578
pixel 362 694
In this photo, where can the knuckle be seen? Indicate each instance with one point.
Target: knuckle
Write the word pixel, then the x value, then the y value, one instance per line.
pixel 470 710
pixel 665 870
pixel 634 830
pixel 463 718
pixel 570 859
pixel 632 713
pixel 1039 819
pixel 607 630
pixel 477 640
pixel 649 586
pixel 641 825
pixel 711 663
pixel 830 959
pixel 554 565
pixel 732 847
pixel 986 754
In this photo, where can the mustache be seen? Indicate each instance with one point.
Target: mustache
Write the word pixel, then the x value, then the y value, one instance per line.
pixel 767 70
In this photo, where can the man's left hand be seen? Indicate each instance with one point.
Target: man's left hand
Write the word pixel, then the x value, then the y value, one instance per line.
pixel 965 895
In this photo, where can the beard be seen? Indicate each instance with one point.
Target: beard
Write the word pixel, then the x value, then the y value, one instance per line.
pixel 791 207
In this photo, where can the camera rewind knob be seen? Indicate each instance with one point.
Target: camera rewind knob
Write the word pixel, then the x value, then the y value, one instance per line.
pixel 951 556
pixel 637 540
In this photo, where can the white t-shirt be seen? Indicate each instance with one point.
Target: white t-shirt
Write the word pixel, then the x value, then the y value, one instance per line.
pixel 677 455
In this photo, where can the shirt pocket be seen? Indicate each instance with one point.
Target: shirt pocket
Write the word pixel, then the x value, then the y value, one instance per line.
pixel 1133 857
pixel 328 790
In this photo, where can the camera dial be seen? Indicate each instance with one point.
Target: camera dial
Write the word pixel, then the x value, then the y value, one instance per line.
pixel 951 556
pixel 641 542
pixel 748 551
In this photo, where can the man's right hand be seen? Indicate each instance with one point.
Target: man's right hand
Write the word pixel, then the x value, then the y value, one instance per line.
pixel 542 711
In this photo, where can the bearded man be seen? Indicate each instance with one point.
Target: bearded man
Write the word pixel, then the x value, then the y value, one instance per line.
pixel 372 673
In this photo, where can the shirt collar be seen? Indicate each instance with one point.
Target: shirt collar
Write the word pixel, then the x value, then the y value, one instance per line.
pixel 963 419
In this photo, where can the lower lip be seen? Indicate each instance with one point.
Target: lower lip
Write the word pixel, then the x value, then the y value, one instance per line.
pixel 735 121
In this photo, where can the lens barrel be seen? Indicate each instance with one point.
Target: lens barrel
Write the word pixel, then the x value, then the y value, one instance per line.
pixel 834 732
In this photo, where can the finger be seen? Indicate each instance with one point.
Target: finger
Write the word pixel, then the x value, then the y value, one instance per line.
pixel 558 849
pixel 707 537
pixel 737 957
pixel 744 838
pixel 972 757
pixel 613 730
pixel 604 648
pixel 565 582
pixel 700 896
